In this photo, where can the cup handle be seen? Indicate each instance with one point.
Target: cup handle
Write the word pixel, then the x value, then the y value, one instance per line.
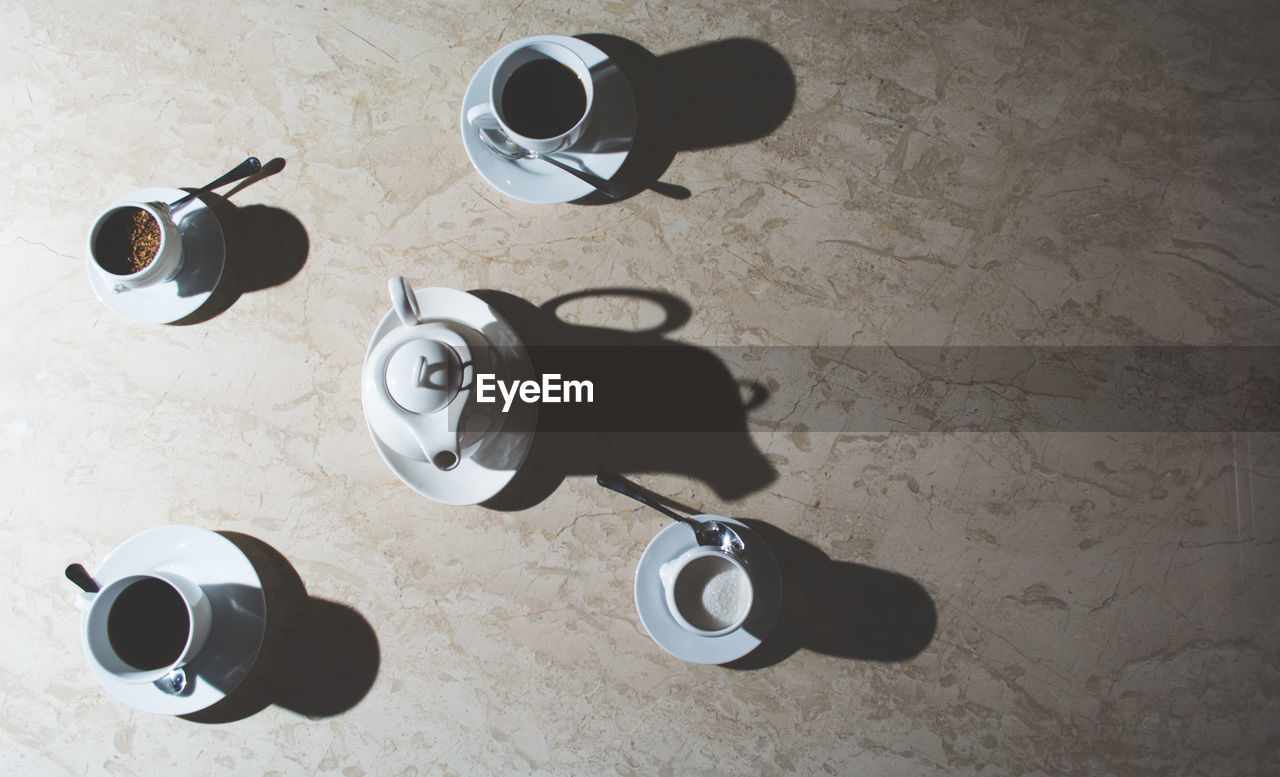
pixel 481 117
pixel 404 301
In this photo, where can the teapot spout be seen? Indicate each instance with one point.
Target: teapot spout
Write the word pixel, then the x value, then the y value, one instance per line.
pixel 439 443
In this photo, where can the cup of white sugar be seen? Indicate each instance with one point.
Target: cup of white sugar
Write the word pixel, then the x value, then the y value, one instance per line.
pixel 708 592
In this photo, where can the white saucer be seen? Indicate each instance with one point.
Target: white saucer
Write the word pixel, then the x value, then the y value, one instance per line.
pixel 651 603
pixel 601 150
pixel 239 609
pixel 204 254
pixel 486 471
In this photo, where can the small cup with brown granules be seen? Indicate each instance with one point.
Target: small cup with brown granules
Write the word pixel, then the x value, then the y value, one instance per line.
pixel 136 244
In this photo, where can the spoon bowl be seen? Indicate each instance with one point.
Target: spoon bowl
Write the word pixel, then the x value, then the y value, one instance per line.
pixel 174 683
pixel 718 534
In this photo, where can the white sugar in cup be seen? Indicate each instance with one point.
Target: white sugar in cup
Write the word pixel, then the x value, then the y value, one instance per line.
pixel 708 592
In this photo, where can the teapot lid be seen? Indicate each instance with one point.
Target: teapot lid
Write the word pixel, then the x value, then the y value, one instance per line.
pixel 423 376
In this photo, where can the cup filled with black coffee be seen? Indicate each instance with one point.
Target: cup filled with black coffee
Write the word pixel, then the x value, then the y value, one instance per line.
pixel 142 626
pixel 136 244
pixel 540 97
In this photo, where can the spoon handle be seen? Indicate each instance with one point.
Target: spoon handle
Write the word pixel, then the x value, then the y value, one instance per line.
pixel 610 188
pixel 617 483
pixel 243 170
pixel 77 574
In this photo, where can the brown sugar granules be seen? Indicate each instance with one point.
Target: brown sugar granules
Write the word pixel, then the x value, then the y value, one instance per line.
pixel 144 240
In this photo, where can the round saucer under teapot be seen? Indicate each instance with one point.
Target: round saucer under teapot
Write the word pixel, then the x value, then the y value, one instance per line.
pixel 418 391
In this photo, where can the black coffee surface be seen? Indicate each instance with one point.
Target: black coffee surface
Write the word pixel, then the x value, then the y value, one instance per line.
pixel 148 624
pixel 542 99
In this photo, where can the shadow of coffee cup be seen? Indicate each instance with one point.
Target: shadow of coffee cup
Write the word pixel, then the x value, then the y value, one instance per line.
pixel 714 94
pixel 265 247
pixel 841 609
pixel 318 658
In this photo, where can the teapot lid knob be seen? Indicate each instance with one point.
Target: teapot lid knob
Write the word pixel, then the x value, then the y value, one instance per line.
pixel 423 376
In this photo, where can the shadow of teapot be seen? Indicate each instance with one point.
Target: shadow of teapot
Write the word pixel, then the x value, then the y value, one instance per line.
pixel 657 405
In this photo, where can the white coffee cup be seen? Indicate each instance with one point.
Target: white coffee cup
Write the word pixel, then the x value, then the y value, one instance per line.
pixel 708 591
pixel 182 624
pixel 497 113
pixel 108 246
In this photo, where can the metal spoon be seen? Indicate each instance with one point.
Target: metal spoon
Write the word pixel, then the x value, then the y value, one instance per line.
pixel 243 170
pixel 716 534
pixel 173 683
pixel 503 147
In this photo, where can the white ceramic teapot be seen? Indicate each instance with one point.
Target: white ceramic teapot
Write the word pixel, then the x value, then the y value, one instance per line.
pixel 419 380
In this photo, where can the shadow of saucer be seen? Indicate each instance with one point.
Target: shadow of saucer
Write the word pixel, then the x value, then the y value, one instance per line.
pixel 715 94
pixel 659 405
pixel 840 609
pixel 318 658
pixel 265 247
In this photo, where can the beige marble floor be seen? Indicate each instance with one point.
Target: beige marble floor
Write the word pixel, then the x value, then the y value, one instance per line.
pixel 999 601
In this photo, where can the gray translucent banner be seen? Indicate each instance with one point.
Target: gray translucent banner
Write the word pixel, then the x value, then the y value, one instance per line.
pixel 683 388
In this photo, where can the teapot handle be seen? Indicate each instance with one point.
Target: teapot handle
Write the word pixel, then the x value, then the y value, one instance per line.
pixel 404 301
